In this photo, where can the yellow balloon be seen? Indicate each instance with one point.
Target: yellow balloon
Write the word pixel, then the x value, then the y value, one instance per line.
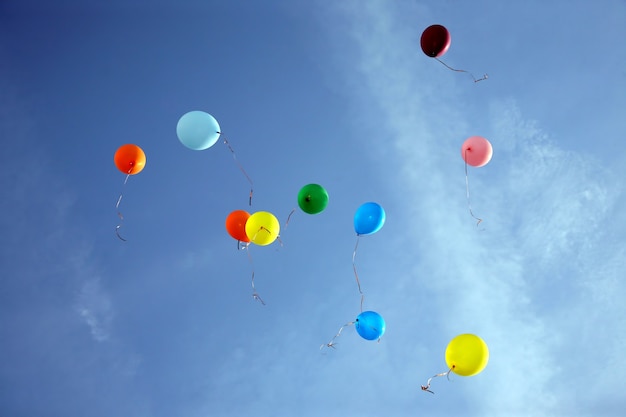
pixel 467 354
pixel 262 228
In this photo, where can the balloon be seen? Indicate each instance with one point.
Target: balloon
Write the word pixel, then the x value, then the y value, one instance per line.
pixel 476 151
pixel 198 130
pixel 370 325
pixel 312 198
pixel 262 228
pixel 130 159
pixel 435 41
pixel 369 218
pixel 236 225
pixel 467 354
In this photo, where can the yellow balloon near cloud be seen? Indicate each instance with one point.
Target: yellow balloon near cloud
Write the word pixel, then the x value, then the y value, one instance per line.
pixel 467 354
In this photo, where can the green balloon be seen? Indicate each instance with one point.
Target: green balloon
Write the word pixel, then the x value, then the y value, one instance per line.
pixel 312 198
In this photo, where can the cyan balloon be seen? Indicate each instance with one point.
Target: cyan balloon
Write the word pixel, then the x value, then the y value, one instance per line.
pixel 370 325
pixel 369 218
pixel 198 130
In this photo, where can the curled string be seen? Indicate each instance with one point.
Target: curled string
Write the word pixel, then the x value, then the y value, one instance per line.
pixel 230 148
pixel 255 294
pixel 460 70
pixel 356 275
pixel 332 342
pixel 469 205
pixel 427 386
pixel 117 207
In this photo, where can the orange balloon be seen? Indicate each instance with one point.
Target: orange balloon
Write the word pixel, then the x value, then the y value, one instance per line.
pixel 130 159
pixel 236 225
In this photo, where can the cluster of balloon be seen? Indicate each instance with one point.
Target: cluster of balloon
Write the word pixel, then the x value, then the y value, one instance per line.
pixel 435 42
pixel 312 199
pixel 466 355
pixel 261 228
pixel 198 130
pixel 130 160
pixel 368 219
pixel 477 152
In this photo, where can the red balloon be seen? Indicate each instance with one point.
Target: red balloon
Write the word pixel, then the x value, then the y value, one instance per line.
pixel 476 151
pixel 435 40
pixel 130 159
pixel 236 225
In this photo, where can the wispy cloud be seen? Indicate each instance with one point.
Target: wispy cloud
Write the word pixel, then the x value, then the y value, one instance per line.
pixel 95 308
pixel 518 282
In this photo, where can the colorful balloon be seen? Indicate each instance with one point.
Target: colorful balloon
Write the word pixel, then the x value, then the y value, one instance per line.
pixel 236 225
pixel 312 198
pixel 198 130
pixel 476 151
pixel 369 219
pixel 130 159
pixel 370 325
pixel 467 354
pixel 262 228
pixel 435 41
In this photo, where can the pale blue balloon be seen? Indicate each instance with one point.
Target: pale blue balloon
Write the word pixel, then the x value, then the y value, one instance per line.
pixel 370 325
pixel 198 130
pixel 369 218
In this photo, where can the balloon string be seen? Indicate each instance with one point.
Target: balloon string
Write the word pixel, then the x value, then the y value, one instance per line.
pixel 332 343
pixel 117 207
pixel 289 217
pixel 460 70
pixel 230 148
pixel 427 386
pixel 469 205
pixel 356 275
pixel 255 294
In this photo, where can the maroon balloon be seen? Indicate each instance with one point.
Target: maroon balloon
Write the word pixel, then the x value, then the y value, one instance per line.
pixel 435 40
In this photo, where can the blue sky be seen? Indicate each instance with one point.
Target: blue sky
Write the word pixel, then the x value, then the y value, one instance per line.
pixel 335 93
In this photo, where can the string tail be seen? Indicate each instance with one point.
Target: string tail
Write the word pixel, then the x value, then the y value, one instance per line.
pixel 289 217
pixel 232 151
pixel 427 386
pixel 484 77
pixel 119 213
pixel 467 192
pixel 332 343
pixel 356 274
pixel 255 294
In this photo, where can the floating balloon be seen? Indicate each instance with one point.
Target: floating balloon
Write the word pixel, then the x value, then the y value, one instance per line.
pixel 236 225
pixel 370 325
pixel 476 151
pixel 312 198
pixel 198 130
pixel 435 40
pixel 130 159
pixel 467 354
pixel 368 219
pixel 262 228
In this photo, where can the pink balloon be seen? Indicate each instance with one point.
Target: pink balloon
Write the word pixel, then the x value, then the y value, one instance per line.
pixel 476 151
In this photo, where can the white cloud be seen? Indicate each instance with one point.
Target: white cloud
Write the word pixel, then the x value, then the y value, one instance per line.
pixel 95 308
pixel 518 282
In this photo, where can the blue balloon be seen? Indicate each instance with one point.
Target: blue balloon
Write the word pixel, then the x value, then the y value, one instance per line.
pixel 198 130
pixel 368 219
pixel 370 325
